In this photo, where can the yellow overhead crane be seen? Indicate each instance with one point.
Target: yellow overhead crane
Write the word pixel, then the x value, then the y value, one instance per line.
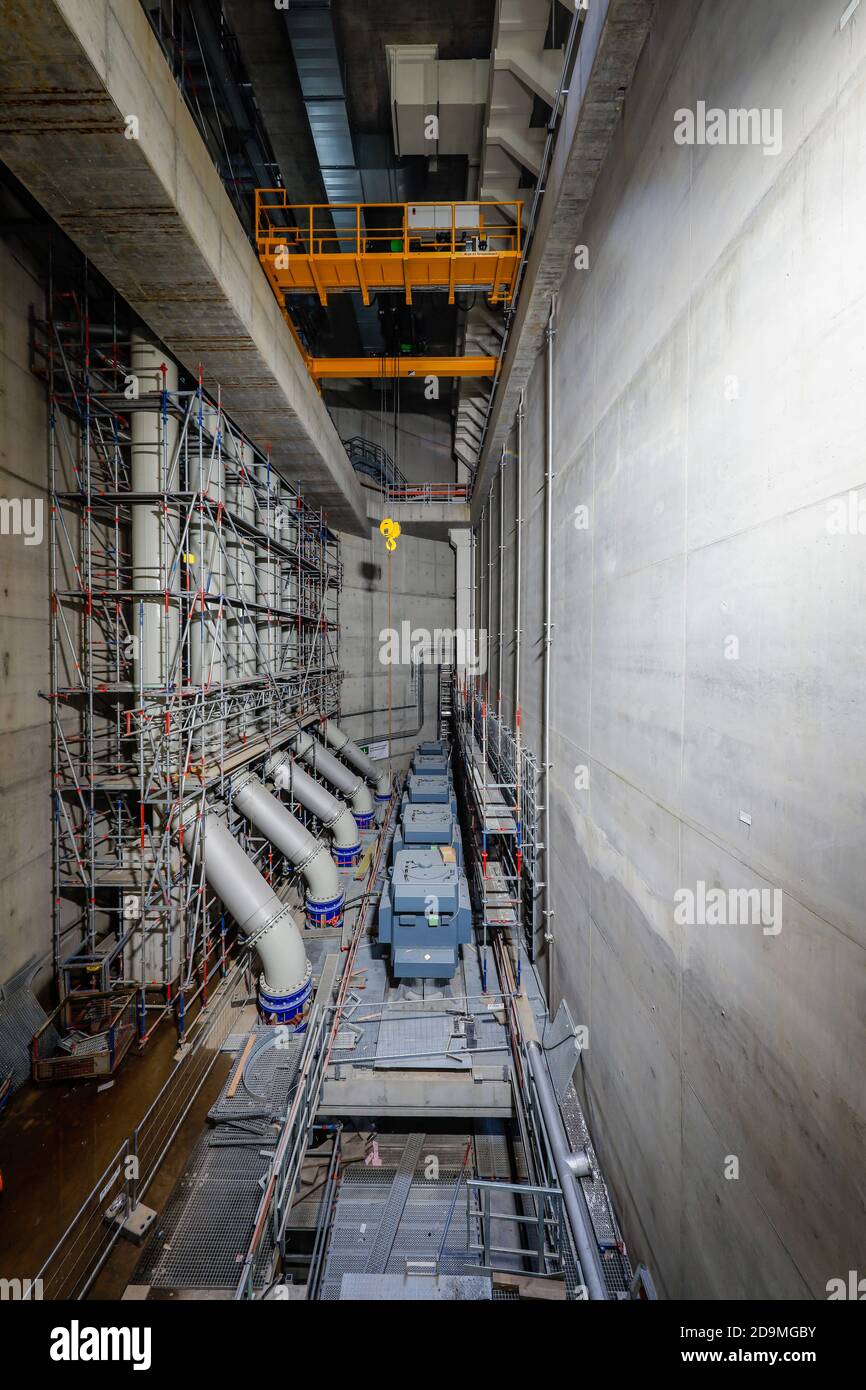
pixel 330 248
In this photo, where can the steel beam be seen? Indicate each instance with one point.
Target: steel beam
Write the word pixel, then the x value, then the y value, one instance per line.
pixel 377 368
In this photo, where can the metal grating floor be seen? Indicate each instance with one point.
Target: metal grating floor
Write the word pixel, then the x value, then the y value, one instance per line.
pixel 21 1015
pixel 409 1027
pixel 202 1235
pixel 364 1204
pixel 617 1266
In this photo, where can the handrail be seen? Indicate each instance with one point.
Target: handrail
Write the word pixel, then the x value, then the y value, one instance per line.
pixel 396 231
pixel 374 460
pixel 275 1202
pixel 81 1251
pixel 429 492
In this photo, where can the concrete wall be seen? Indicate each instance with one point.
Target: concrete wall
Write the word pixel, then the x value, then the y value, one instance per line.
pixel 422 594
pixel 25 743
pixel 423 441
pixel 709 409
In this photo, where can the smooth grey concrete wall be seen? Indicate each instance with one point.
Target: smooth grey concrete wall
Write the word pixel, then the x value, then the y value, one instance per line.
pixel 25 740
pixel 422 594
pixel 709 415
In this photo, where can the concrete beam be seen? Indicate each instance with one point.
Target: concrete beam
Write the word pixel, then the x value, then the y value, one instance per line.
pixel 431 519
pixel 362 1091
pixel 151 213
pixel 524 147
pixel 613 37
pixel 260 30
pixel 539 72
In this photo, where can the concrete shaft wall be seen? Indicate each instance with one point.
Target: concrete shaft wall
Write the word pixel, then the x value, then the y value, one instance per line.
pixel 422 596
pixel 25 739
pixel 709 652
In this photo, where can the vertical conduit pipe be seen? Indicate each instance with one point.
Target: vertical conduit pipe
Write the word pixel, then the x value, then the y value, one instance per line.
pixel 518 560
pixel 473 598
pixel 568 1165
pixel 489 576
pixel 481 594
pixel 548 643
pixel 154 435
pixel 501 570
pixel 206 640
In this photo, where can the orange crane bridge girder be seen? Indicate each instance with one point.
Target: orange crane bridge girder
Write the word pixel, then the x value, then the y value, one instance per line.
pixel 329 248
pixel 390 368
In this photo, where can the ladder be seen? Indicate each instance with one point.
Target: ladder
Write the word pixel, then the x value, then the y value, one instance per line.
pixel 446 685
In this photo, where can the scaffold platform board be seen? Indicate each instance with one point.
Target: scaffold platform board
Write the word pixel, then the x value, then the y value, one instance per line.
pixel 498 901
pixel 496 815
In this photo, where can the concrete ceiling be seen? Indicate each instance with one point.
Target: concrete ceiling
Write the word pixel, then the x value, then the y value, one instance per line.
pixel 365 27
pixel 264 43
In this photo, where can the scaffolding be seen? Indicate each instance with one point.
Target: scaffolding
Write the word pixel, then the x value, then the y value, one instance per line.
pixel 194 625
pixel 502 781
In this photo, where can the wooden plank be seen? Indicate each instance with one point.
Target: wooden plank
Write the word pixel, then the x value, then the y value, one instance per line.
pixel 242 1061
pixel 528 1286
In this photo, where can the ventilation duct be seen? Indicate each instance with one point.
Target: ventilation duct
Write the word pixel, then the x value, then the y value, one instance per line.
pixel 311 33
pixel 286 982
pixel 330 810
pixel 324 898
pixel 424 85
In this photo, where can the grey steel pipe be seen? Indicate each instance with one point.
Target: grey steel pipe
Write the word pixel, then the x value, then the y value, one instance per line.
pixel 339 740
pixel 499 644
pixel 153 440
pixel 518 560
pixel 473 562
pixel 329 809
pixel 310 856
pixel 568 1164
pixel 206 563
pixel 548 641
pixel 322 760
pixel 286 981
pixel 489 578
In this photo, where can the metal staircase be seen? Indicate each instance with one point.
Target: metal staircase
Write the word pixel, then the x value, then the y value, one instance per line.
pixel 375 462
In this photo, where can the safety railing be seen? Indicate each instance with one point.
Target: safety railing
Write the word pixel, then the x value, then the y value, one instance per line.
pixel 279 1189
pixel 422 493
pixel 82 1250
pixel 276 1201
pixel 536 1212
pixel 425 493
pixel 164 1116
pixel 398 229
pixel 89 1238
pixel 373 461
